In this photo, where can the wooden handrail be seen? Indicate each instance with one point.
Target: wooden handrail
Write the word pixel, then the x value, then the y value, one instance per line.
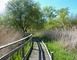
pixel 47 51
pixel 6 56
pixel 1 47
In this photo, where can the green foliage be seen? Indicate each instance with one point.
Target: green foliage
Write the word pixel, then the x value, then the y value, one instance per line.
pixel 60 53
pixel 61 19
pixel 27 15
pixel 1 20
pixel 73 21
pixel 24 15
pixel 18 54
pixel 49 12
pixel 63 14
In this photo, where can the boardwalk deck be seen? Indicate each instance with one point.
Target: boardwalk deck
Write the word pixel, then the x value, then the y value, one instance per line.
pixel 45 52
pixel 35 52
pixel 39 52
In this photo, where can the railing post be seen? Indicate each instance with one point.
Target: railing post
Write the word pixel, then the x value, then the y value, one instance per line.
pixel 32 44
pixel 52 56
pixel 23 51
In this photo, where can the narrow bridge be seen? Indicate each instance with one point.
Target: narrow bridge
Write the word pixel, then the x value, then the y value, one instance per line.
pixel 27 48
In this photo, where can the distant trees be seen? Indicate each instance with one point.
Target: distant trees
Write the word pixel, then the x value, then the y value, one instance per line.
pixel 73 20
pixel 27 15
pixel 1 20
pixel 63 14
pixel 56 18
pixel 49 13
pixel 24 15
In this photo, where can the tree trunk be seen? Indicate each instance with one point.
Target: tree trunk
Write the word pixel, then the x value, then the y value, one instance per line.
pixel 24 33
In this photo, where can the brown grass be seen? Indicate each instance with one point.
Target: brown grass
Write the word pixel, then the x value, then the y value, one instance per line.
pixel 6 36
pixel 66 37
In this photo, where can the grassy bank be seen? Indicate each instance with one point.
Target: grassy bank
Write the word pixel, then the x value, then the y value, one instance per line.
pixel 60 53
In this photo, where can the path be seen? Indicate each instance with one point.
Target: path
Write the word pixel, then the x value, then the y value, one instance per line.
pixel 38 52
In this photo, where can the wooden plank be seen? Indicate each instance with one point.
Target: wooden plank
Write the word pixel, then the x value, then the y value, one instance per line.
pixel 44 53
pixel 23 54
pixel 47 50
pixel 35 52
pixel 52 55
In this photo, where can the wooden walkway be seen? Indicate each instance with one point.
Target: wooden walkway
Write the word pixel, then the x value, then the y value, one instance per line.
pixel 35 52
pixel 39 52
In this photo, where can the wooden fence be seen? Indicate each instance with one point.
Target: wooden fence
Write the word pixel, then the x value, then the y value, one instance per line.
pixel 20 50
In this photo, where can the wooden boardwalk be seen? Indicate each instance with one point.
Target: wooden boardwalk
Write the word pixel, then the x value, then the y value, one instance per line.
pixel 39 52
pixel 35 52
pixel 45 53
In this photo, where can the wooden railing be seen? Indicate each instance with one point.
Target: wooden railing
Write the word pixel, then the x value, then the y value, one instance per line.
pixel 19 50
pixel 50 54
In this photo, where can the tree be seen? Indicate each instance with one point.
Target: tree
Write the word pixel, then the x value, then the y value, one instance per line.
pixel 49 13
pixel 63 15
pixel 73 20
pixel 56 18
pixel 24 15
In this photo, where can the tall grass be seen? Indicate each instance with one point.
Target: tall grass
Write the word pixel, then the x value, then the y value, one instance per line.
pixel 60 53
pixel 8 35
pixel 18 54
pixel 67 37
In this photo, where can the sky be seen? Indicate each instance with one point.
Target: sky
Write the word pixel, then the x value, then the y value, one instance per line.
pixel 2 5
pixel 58 4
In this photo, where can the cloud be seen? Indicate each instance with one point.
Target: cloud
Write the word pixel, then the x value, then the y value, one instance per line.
pixel 3 5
